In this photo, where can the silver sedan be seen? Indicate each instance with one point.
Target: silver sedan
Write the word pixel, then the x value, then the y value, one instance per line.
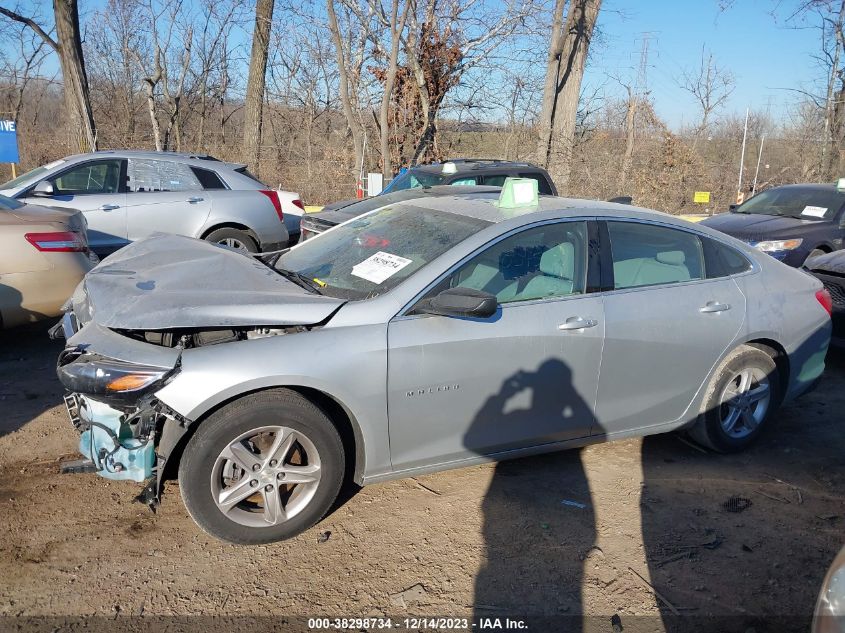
pixel 425 335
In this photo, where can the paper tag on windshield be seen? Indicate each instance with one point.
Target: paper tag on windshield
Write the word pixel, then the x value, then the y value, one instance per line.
pixel 379 267
pixel 815 212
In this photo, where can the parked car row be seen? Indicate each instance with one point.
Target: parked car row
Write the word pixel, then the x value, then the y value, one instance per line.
pixel 128 195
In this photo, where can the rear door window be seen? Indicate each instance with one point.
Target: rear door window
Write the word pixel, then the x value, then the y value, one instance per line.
pixel 650 255
pixel 147 176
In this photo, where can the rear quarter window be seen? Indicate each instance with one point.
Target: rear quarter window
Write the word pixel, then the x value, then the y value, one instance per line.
pixel 721 260
pixel 208 179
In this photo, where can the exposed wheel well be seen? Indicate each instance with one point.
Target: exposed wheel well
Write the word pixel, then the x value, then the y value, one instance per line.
pixel 352 444
pixel 778 354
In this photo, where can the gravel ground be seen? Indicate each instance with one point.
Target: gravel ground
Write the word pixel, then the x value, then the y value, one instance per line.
pixel 652 544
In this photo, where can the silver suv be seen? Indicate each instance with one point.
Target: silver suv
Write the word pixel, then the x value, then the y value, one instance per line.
pixel 127 195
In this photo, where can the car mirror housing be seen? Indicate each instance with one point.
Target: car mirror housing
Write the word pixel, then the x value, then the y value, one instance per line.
pixel 44 189
pixel 460 302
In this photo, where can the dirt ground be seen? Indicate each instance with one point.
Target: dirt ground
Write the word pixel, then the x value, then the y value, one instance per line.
pixel 493 541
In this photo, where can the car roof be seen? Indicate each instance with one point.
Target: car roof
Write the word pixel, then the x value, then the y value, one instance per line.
pixel 464 165
pixel 204 159
pixel 824 186
pixel 484 207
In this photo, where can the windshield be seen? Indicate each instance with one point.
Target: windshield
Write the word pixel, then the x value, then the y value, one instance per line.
pixel 805 203
pixel 23 178
pixel 9 203
pixel 413 179
pixel 370 255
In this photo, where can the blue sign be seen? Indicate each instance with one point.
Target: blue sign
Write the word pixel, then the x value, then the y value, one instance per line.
pixel 8 142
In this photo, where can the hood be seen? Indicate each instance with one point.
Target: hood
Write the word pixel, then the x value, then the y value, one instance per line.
pixel 170 281
pixel 829 262
pixel 334 206
pixel 756 226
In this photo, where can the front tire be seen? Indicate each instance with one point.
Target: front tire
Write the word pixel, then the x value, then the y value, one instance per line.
pixel 261 469
pixel 741 398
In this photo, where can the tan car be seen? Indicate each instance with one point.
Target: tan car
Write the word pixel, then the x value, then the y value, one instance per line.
pixel 43 256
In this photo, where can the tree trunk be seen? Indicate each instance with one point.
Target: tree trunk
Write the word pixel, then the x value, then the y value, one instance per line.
pixel 348 111
pixel 396 28
pixel 82 130
pixel 68 46
pixel 564 73
pixel 254 102
pixel 627 157
pixel 547 110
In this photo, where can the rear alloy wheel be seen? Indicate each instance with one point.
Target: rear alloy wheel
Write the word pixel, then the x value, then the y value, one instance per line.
pixel 233 238
pixel 742 396
pixel 262 469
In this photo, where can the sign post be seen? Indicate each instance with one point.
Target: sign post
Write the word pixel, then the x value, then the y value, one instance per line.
pixel 9 145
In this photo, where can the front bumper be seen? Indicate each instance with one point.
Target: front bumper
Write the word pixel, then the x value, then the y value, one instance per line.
pixel 108 439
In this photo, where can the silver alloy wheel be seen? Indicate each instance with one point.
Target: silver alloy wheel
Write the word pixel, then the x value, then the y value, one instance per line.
pixel 233 242
pixel 744 402
pixel 265 476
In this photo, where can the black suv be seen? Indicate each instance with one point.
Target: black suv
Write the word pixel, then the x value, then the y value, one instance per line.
pixel 791 223
pixel 464 173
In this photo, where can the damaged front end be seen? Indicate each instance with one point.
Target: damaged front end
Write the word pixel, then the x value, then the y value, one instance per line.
pixel 110 405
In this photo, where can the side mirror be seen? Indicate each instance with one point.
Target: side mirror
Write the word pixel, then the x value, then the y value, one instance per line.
pixel 44 189
pixel 461 302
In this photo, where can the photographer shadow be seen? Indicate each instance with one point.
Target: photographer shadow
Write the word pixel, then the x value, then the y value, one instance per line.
pixel 538 530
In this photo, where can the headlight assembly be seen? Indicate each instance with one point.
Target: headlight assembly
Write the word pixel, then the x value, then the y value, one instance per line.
pixel 97 375
pixel 772 246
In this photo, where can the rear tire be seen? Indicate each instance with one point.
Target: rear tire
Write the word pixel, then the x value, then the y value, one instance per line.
pixel 234 238
pixel 742 396
pixel 234 470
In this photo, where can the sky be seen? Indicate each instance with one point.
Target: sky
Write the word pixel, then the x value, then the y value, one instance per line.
pixel 764 55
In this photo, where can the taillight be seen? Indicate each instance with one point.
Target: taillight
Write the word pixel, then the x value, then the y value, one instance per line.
pixel 274 198
pixel 824 298
pixel 298 203
pixel 59 242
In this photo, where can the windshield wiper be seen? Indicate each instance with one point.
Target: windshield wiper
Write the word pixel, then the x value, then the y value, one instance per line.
pixel 301 280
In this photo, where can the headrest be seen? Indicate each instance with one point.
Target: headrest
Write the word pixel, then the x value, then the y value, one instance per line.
pixel 673 258
pixel 559 261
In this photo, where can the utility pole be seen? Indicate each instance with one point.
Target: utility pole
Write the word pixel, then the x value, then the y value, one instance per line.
pixel 757 171
pixel 739 195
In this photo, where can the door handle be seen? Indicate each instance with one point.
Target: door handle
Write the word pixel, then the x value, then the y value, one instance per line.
pixel 577 323
pixel 195 199
pixel 109 207
pixel 714 306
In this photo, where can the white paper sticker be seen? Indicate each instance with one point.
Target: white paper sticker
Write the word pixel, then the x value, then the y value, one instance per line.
pixel 523 192
pixel 376 268
pixel 815 212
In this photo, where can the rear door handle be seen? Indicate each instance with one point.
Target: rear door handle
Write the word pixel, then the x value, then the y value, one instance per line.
pixel 109 207
pixel 577 323
pixel 195 199
pixel 714 306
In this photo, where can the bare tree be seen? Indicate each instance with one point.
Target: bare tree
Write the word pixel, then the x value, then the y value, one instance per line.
pixel 254 101
pixel 397 26
pixel 68 45
pixel 711 86
pixel 348 73
pixel 21 66
pixel 157 72
pixel 568 47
